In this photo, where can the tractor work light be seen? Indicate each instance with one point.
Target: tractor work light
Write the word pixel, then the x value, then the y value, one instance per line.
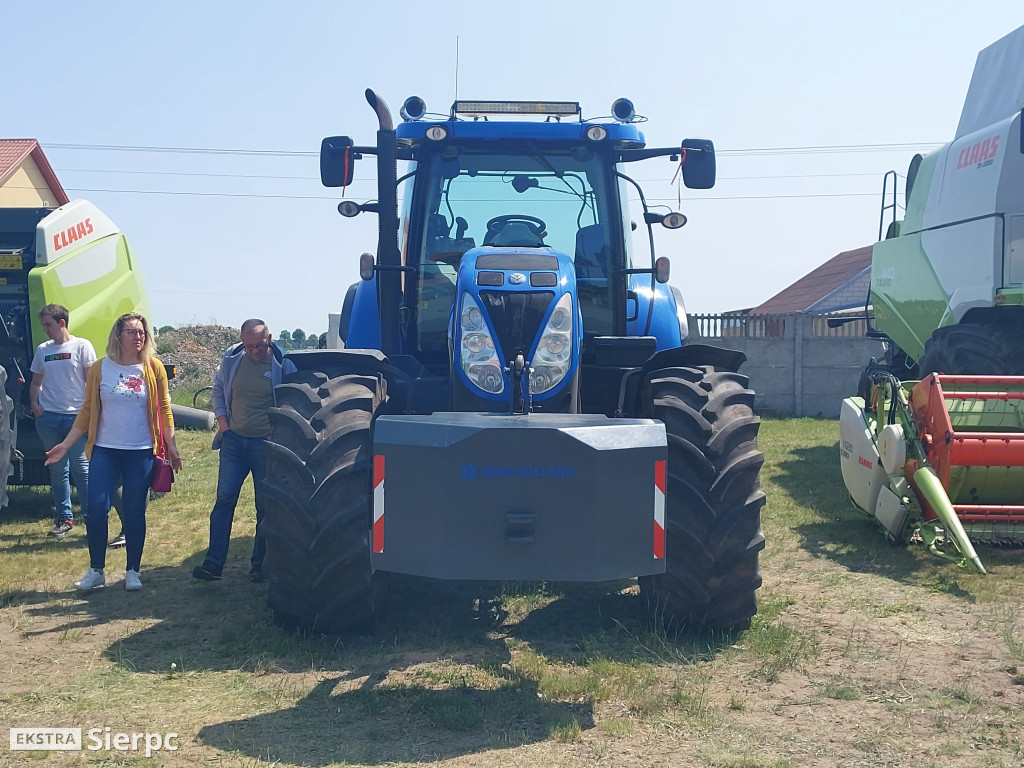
pixel 550 108
pixel 348 209
pixel 673 220
pixel 436 133
pixel 597 133
pixel 413 109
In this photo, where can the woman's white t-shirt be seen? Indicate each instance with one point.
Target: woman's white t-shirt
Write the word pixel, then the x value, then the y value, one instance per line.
pixel 124 415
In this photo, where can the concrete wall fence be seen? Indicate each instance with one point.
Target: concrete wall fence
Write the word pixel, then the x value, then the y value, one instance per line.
pixel 797 365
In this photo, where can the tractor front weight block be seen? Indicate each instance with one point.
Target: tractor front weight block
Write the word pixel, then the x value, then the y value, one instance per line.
pixel 537 497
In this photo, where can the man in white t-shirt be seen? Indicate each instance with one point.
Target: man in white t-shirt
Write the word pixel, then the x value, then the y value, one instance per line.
pixel 56 395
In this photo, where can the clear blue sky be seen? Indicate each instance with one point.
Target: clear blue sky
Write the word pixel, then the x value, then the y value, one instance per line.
pixel 224 236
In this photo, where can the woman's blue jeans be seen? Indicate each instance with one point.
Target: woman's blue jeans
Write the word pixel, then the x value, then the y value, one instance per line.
pixel 52 429
pixel 133 471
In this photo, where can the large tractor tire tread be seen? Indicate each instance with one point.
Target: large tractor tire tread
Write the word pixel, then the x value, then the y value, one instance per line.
pixel 714 499
pixel 742 429
pixel 8 436
pixel 302 433
pixel 301 399
pixel 983 350
pixel 318 503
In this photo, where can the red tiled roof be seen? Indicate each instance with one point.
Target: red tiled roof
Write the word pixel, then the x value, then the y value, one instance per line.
pixel 13 153
pixel 818 283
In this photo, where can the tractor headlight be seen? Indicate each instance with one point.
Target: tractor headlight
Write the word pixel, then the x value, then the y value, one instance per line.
pixel 554 352
pixel 544 377
pixel 476 349
pixel 561 318
pixel 476 342
pixel 488 377
pixel 472 317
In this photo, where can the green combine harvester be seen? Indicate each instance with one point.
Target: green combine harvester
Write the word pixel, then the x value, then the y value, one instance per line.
pixel 933 445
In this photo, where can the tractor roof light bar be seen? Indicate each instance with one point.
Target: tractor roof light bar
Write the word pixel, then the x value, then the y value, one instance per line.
pixel 483 109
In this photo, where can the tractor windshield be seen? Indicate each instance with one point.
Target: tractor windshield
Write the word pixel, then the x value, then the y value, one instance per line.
pixel 562 200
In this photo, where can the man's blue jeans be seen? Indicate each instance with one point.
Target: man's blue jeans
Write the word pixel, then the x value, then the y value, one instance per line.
pixel 52 429
pixel 133 471
pixel 239 456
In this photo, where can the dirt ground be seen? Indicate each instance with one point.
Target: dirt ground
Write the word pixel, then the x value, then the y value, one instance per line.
pixel 899 676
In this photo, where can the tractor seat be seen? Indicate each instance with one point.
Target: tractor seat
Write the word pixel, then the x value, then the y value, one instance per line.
pixel 516 233
pixel 591 253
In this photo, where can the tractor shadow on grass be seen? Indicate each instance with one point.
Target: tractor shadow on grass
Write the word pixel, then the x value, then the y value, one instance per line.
pixel 451 673
pixel 447 673
pixel 436 679
pixel 381 722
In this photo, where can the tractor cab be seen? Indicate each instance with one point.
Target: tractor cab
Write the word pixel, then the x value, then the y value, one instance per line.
pixel 534 202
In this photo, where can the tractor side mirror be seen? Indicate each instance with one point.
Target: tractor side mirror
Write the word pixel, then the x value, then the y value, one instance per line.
pixel 336 161
pixel 699 163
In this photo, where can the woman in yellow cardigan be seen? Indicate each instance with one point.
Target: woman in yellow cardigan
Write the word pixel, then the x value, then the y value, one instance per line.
pixel 127 410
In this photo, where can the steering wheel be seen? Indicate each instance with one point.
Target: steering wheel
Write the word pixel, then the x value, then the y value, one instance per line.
pixel 498 223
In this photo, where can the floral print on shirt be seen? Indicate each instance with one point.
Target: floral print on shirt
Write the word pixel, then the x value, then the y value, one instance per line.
pixel 128 386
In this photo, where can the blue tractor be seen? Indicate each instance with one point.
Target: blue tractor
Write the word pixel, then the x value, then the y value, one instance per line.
pixel 516 399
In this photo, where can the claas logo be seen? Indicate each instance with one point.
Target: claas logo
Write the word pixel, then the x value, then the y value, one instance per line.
pixel 72 234
pixel 979 154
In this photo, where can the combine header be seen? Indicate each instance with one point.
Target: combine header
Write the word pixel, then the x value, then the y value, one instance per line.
pixel 940 461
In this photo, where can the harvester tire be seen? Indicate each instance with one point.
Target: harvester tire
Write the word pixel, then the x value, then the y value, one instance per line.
pixel 713 507
pixel 8 436
pixel 982 350
pixel 318 503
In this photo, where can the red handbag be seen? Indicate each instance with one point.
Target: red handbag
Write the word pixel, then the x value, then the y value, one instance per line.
pixel 163 473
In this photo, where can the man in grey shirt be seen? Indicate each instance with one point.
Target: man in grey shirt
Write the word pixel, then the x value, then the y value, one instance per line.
pixel 243 392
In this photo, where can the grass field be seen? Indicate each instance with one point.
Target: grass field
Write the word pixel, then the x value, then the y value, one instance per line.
pixel 862 653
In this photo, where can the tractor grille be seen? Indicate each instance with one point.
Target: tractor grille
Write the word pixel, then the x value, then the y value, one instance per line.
pixel 516 317
pixel 524 262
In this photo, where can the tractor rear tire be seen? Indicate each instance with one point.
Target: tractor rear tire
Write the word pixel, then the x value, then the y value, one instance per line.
pixel 982 350
pixel 319 503
pixel 713 507
pixel 8 436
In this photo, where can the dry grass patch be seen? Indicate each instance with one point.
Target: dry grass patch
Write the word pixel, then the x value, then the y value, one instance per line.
pixel 862 653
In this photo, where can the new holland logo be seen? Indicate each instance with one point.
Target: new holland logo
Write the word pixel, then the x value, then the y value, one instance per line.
pixel 517 278
pixel 474 472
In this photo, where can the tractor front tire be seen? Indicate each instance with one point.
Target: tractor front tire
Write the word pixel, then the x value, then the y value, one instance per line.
pixel 713 508
pixel 319 503
pixel 981 350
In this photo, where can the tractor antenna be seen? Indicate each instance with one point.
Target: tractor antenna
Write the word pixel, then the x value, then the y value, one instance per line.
pixel 456 68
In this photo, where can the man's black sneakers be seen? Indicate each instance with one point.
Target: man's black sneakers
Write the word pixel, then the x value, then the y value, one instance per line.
pixel 206 572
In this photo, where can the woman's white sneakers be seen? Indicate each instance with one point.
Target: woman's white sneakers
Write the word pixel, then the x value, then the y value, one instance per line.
pixel 93 579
